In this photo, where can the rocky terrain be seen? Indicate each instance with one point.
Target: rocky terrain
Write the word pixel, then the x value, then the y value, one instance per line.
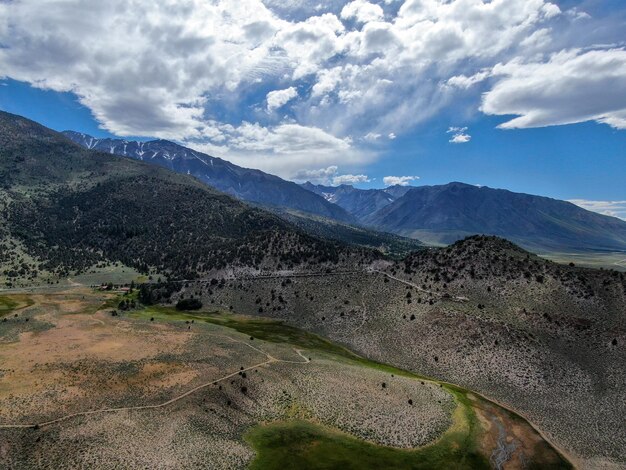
pixel 544 338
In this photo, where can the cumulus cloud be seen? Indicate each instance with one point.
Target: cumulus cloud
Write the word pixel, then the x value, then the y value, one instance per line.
pixel 319 176
pixel 399 180
pixel 142 68
pixel 464 82
pixel 362 11
pixel 278 98
pixel 329 176
pixel 459 135
pixel 167 69
pixel 612 208
pixel 460 138
pixel 572 86
pixel 283 149
pixel 350 179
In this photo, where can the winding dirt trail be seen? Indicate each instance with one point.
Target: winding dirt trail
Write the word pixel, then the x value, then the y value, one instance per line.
pixel 269 360
pixel 419 288
pixel 501 453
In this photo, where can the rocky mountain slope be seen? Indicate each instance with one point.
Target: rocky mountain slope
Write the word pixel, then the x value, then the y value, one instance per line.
pixel 64 209
pixel 361 203
pixel 243 183
pixel 443 214
pixel 543 338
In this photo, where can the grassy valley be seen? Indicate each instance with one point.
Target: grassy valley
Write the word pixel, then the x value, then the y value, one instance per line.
pixel 278 399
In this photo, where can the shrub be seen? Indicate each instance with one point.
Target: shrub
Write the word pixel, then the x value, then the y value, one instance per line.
pixel 189 304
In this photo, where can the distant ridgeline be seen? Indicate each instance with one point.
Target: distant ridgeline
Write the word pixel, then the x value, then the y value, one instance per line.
pixel 435 214
pixel 446 213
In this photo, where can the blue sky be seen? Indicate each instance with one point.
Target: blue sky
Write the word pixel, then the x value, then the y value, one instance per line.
pixel 528 95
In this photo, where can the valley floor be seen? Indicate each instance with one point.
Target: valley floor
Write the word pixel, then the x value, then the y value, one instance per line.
pixel 158 388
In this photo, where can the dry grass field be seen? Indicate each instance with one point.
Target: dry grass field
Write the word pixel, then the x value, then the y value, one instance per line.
pixel 156 388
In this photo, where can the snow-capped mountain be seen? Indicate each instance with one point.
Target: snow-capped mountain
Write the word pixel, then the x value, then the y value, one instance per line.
pixel 359 202
pixel 243 183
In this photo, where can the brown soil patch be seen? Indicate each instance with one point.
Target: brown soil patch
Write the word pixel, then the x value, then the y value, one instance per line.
pixel 39 369
pixel 502 429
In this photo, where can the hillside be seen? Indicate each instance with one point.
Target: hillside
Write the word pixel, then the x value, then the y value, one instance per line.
pixel 64 210
pixel 543 338
pixel 154 387
pixel 443 214
pixel 328 229
pixel 243 183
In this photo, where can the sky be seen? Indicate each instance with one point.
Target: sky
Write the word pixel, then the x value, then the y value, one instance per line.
pixel 527 95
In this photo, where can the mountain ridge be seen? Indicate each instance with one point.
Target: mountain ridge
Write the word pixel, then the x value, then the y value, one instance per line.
pixel 247 184
pixel 358 202
pixel 436 214
pixel 65 209
pixel 455 210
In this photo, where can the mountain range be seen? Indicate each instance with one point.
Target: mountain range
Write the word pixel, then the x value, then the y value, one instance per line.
pixel 446 213
pixel 243 183
pixel 436 215
pixel 359 202
pixel 443 214
pixel 64 209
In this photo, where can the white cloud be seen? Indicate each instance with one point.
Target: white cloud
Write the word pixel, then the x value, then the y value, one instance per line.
pixel 308 44
pixel 390 75
pixel 612 208
pixel 328 176
pixel 283 150
pixel 459 135
pixel 286 138
pixel 142 68
pixel 399 180
pixel 350 179
pixel 464 82
pixel 164 69
pixel 362 11
pixel 372 136
pixel 278 98
pixel 572 86
pixel 460 138
pixel 319 176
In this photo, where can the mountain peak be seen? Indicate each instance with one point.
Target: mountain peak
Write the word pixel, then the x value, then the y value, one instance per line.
pixel 445 213
pixel 247 184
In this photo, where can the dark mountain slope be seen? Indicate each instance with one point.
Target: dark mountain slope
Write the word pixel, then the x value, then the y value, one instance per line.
pixel 71 208
pixel 243 183
pixel 359 202
pixel 388 243
pixel 452 211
